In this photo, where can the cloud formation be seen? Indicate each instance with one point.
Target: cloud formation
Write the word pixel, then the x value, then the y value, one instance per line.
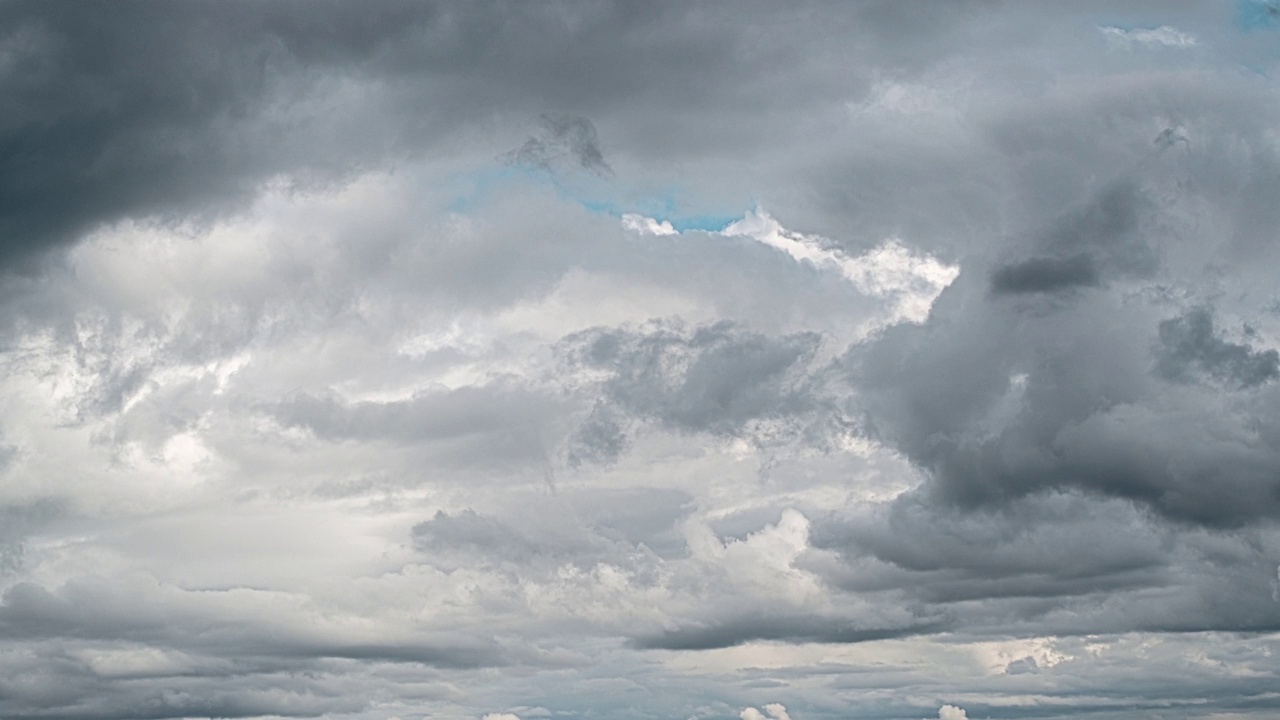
pixel 562 139
pixel 604 359
pixel 1163 35
pixel 774 710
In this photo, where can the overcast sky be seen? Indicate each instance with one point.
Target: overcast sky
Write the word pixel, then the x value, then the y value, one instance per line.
pixel 717 360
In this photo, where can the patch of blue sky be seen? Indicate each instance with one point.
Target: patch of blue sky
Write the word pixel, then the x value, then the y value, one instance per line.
pixel 666 206
pixel 472 190
pixel 1258 14
pixel 475 189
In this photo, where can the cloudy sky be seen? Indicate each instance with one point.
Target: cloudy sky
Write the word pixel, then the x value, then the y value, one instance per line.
pixel 719 360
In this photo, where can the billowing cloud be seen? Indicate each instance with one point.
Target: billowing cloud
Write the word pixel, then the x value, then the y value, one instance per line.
pixel 1098 389
pixel 776 711
pixel 890 270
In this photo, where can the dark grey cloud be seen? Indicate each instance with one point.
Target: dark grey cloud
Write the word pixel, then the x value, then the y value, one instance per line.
pixel 562 139
pixel 1051 547
pixel 799 628
pixel 1040 397
pixel 94 611
pixel 102 126
pixel 1045 275
pixel 1102 239
pixel 1066 563
pixel 157 111
pixel 1091 435
pixel 1111 224
pixel 1169 137
pixel 96 649
pixel 719 379
pixel 209 702
pixel 1072 420
pixel 181 112
pixel 1190 347
pixel 74 688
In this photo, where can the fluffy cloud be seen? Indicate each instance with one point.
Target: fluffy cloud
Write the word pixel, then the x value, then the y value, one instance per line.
pixel 774 710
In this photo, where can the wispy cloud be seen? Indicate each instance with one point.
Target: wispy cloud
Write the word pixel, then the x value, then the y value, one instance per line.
pixel 1163 36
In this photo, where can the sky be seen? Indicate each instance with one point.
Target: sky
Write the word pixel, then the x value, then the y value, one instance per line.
pixel 498 360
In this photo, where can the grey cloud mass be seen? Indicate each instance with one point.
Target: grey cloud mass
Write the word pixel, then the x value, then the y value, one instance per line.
pixel 1189 344
pixel 1045 275
pixel 635 360
pixel 717 379
pixel 562 139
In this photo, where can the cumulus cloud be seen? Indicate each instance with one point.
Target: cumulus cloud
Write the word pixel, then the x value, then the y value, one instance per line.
pixel 639 223
pixel 775 711
pixel 890 270
pixel 1049 381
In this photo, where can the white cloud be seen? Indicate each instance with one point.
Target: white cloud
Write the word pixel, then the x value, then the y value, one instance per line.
pixel 951 712
pixel 1164 35
pixel 899 282
pixel 910 280
pixel 775 711
pixel 642 224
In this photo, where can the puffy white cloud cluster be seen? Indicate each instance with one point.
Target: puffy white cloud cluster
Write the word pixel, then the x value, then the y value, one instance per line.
pixel 774 711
